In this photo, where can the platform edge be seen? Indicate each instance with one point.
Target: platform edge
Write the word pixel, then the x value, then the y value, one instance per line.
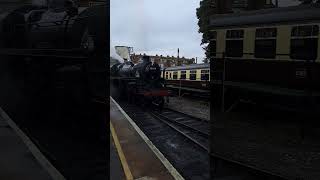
pixel 175 174
pixel 43 161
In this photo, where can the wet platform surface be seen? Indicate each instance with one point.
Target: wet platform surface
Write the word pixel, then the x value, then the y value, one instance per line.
pixel 116 170
pixel 17 162
pixel 143 161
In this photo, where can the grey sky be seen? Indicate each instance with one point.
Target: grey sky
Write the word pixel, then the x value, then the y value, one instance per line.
pixel 159 27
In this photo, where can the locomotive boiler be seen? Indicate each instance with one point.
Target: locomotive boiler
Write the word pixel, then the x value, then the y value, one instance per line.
pixel 140 82
pixel 56 25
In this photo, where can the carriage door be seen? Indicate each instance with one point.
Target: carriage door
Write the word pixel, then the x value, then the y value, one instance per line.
pixel 304 46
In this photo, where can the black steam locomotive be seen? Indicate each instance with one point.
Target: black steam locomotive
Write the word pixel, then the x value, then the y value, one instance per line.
pixel 141 82
pixel 57 53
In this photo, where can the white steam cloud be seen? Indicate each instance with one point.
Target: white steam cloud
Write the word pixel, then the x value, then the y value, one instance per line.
pixel 114 57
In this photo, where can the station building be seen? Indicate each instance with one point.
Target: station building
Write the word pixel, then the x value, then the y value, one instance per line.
pixel 165 61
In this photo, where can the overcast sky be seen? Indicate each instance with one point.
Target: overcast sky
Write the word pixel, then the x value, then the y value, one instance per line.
pixel 159 27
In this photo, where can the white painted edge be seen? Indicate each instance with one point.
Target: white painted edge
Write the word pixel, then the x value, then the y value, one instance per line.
pixel 162 158
pixel 44 162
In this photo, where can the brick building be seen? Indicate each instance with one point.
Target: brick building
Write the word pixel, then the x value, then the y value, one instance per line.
pixel 165 61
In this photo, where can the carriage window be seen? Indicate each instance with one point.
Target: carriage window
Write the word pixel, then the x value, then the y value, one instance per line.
pixel 304 42
pixel 234 43
pixel 167 75
pixel 183 75
pixel 213 43
pixel 205 75
pixel 175 75
pixel 193 75
pixel 266 43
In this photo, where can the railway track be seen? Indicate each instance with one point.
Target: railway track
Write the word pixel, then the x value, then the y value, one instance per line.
pixel 183 140
pixel 195 129
pixel 193 133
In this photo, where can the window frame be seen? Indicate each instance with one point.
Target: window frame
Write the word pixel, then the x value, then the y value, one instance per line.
pixel 234 35
pixel 175 75
pixel 193 72
pixel 184 73
pixel 205 73
pixel 265 36
pixel 313 36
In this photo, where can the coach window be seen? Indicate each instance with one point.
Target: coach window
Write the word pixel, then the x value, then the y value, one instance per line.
pixel 167 75
pixel 183 75
pixel 213 43
pixel 205 75
pixel 266 43
pixel 234 43
pixel 175 75
pixel 304 42
pixel 193 75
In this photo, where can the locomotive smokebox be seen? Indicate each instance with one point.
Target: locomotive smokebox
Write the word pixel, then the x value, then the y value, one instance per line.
pixel 146 59
pixel 125 69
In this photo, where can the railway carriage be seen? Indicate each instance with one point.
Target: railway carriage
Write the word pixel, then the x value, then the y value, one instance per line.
pixel 269 57
pixel 191 78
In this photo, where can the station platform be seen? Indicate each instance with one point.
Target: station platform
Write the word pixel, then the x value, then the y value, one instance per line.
pixel 139 158
pixel 19 157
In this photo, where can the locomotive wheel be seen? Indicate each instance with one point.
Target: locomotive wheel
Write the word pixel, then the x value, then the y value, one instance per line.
pixel 87 42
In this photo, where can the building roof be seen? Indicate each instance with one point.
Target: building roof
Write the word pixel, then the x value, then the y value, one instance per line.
pixel 188 67
pixel 294 14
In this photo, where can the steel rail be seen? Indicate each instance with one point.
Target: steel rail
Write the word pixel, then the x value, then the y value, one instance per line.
pixel 205 134
pixel 190 116
pixel 204 147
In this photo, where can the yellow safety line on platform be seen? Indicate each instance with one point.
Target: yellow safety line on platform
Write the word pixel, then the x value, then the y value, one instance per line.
pixel 161 157
pixel 123 160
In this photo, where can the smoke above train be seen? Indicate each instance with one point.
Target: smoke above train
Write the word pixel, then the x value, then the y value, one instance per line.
pixel 114 57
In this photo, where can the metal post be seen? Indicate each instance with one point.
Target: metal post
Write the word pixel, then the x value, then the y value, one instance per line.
pixel 180 88
pixel 222 83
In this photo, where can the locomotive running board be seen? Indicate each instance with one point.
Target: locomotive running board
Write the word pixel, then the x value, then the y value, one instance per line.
pixel 58 53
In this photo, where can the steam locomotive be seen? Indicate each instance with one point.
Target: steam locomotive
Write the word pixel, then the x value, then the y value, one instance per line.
pixel 56 52
pixel 140 82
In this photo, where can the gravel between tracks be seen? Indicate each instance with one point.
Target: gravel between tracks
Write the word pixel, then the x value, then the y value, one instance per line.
pixel 191 106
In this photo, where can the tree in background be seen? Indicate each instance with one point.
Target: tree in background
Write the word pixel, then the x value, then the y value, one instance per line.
pixel 206 9
pixel 204 12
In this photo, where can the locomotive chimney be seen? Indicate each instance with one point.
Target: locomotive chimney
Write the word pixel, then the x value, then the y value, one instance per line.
pixel 146 58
